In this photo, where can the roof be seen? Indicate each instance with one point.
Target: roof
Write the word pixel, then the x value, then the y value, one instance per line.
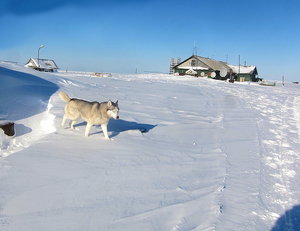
pixel 214 64
pixel 42 63
pixel 207 63
pixel 243 69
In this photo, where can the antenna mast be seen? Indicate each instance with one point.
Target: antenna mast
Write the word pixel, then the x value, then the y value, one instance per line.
pixel 239 64
pixel 195 49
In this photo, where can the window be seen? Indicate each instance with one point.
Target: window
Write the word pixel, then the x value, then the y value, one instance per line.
pixel 193 63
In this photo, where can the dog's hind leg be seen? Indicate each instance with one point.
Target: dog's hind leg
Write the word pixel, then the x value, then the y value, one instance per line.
pixel 87 129
pixel 104 129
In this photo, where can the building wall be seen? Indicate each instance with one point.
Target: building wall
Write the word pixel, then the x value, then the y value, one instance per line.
pixel 245 77
pixel 188 63
pixel 181 71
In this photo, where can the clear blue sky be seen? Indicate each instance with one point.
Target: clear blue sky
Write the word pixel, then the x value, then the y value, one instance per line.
pixel 122 35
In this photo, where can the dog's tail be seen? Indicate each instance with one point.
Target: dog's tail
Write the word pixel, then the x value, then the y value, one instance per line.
pixel 64 96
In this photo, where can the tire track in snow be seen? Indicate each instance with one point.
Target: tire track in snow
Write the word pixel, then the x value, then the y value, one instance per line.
pixel 278 137
pixel 279 134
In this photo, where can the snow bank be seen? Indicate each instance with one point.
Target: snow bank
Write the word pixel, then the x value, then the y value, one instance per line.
pixel 22 94
pixel 24 99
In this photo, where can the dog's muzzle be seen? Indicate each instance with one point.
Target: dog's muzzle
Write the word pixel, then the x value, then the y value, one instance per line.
pixel 117 117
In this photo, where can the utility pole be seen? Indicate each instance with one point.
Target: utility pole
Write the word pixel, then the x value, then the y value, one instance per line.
pixel 41 46
pixel 283 80
pixel 239 65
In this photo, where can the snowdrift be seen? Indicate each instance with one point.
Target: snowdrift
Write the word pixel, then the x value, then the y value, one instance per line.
pixel 22 94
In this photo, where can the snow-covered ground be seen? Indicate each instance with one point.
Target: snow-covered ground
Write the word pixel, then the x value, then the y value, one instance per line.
pixel 186 154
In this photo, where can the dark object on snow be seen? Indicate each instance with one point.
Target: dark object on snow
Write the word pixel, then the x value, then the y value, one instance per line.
pixel 8 128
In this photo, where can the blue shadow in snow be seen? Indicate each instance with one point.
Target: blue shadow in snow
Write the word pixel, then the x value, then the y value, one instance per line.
pixel 21 129
pixel 118 126
pixel 23 95
pixel 290 221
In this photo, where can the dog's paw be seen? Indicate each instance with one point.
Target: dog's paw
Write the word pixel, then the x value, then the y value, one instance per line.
pixel 107 138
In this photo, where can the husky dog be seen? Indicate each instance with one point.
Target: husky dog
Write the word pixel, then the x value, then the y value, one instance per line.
pixel 93 113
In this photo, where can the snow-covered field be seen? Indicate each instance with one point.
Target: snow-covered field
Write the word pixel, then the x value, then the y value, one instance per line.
pixel 186 154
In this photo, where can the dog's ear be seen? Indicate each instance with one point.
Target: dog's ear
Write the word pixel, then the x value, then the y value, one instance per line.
pixel 117 102
pixel 109 103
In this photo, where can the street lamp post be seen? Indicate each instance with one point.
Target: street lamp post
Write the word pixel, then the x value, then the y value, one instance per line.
pixel 41 46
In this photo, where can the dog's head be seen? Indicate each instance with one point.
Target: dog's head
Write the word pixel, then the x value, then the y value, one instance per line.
pixel 113 109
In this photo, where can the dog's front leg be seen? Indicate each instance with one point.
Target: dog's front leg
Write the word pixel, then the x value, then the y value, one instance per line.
pixel 63 122
pixel 72 123
pixel 104 129
pixel 88 128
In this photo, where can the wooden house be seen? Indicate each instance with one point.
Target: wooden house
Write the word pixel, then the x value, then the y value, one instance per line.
pixel 201 66
pixel 244 73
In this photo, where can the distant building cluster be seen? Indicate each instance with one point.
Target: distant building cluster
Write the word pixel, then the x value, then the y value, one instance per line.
pixel 205 67
pixel 195 65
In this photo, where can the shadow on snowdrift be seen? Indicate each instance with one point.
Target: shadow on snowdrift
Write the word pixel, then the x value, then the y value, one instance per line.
pixel 21 129
pixel 23 95
pixel 290 221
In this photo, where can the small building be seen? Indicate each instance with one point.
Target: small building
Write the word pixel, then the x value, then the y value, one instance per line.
pixel 101 74
pixel 244 73
pixel 47 65
pixel 201 66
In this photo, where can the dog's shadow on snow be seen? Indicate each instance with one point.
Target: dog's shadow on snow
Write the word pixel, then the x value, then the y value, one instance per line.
pixel 118 126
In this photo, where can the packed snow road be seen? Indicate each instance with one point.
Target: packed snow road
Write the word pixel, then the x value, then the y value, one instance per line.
pixel 186 154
